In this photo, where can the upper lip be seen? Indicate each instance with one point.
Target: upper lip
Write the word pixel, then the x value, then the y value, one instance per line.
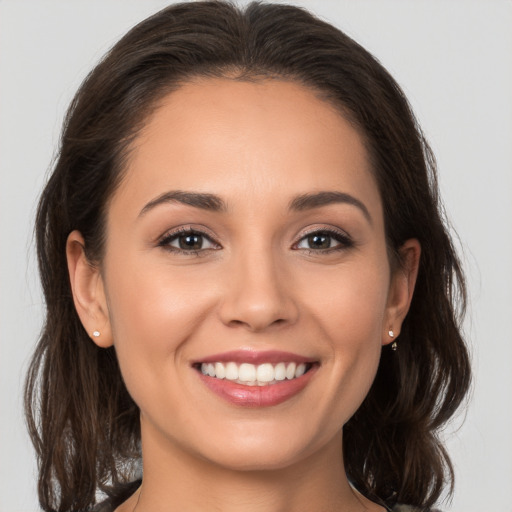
pixel 255 357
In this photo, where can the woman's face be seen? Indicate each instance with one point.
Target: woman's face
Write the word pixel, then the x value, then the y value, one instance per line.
pixel 247 242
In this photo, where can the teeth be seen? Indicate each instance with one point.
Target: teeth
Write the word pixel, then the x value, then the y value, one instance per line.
pixel 247 372
pixel 290 370
pixel 220 371
pixel 265 373
pixel 231 371
pixel 280 371
pixel 252 375
pixel 301 370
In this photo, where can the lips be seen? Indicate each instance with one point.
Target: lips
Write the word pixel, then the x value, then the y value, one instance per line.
pixel 256 379
pixel 255 357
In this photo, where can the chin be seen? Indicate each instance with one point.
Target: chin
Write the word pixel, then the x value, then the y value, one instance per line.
pixel 264 458
pixel 264 447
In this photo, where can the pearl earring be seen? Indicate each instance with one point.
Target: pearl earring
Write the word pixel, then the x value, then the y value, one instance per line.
pixel 96 334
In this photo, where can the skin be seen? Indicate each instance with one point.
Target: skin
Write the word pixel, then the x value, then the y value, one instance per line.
pixel 256 284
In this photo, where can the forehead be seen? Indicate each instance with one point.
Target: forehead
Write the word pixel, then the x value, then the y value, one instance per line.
pixel 228 137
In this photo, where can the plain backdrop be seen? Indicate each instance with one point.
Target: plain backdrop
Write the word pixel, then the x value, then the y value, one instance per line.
pixel 453 59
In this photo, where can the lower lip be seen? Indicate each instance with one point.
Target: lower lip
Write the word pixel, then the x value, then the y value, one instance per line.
pixel 257 396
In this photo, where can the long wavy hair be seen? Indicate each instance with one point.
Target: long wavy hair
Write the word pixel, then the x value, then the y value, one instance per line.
pixel 83 423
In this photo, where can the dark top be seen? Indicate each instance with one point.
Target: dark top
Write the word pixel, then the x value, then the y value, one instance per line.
pixel 110 505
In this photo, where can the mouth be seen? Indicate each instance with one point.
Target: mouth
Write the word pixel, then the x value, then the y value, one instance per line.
pixel 256 379
pixel 249 374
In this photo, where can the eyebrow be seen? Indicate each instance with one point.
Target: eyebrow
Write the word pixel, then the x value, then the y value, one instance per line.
pixel 318 199
pixel 200 200
pixel 214 203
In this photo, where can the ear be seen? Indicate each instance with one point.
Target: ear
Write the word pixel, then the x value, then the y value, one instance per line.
pixel 401 289
pixel 88 291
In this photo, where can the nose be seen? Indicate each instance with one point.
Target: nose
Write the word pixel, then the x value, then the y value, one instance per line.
pixel 258 293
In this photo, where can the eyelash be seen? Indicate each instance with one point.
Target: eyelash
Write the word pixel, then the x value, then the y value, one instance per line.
pixel 344 241
pixel 165 242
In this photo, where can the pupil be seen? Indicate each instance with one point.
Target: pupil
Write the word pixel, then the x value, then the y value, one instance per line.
pixel 319 241
pixel 191 242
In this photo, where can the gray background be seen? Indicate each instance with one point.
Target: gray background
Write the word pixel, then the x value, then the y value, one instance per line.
pixel 453 58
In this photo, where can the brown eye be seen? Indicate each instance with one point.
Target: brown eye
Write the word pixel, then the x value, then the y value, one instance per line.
pixel 192 241
pixel 324 241
pixel 319 241
pixel 187 241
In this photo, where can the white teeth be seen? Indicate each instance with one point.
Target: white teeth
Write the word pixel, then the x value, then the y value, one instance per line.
pixel 290 371
pixel 280 371
pixel 220 371
pixel 301 370
pixel 265 373
pixel 231 371
pixel 252 375
pixel 247 372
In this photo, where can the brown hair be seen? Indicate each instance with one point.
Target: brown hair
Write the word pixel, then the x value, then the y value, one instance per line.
pixel 84 424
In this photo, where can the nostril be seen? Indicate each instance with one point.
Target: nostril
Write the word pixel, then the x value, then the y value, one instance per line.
pixel 255 325
pixel 257 297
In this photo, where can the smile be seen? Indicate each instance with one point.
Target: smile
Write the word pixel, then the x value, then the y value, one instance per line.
pixel 256 379
pixel 255 375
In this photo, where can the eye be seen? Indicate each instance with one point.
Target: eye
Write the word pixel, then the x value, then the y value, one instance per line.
pixel 187 241
pixel 324 240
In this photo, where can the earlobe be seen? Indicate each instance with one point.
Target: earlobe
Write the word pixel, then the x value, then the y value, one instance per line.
pixel 403 281
pixel 88 292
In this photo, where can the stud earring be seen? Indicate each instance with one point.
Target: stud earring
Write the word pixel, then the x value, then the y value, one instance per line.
pixel 96 334
pixel 394 345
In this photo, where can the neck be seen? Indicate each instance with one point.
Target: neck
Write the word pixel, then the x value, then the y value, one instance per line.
pixel 176 480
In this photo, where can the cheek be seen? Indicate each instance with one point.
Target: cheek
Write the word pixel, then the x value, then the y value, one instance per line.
pixel 350 302
pixel 351 314
pixel 153 311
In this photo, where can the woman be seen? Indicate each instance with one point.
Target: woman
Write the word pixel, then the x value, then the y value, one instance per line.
pixel 252 298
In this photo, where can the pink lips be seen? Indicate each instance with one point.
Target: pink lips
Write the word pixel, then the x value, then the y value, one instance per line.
pixel 256 357
pixel 257 396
